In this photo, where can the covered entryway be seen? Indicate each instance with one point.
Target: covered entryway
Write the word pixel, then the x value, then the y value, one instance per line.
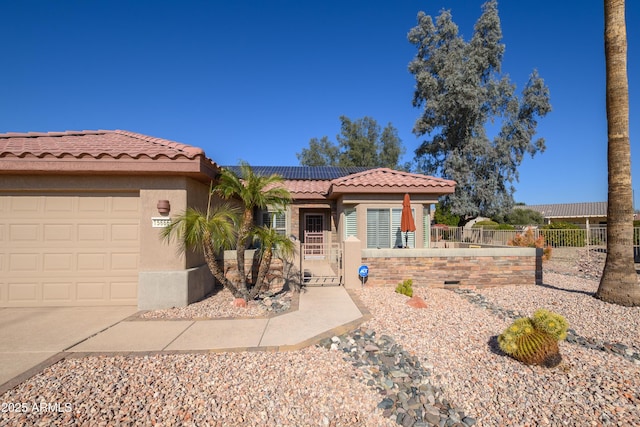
pixel 66 249
pixel 314 236
pixel 321 260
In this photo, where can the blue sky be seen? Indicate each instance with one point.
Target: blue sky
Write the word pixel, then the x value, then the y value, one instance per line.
pixel 256 80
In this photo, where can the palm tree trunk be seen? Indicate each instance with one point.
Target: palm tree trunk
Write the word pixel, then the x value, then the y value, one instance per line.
pixel 265 264
pixel 619 282
pixel 212 263
pixel 243 238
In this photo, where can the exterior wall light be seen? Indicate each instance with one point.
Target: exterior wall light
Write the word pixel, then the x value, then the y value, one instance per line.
pixel 164 207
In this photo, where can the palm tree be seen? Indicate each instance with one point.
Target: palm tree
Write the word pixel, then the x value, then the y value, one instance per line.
pixel 271 242
pixel 210 232
pixel 619 282
pixel 255 192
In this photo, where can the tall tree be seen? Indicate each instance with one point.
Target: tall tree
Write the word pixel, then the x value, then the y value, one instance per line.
pixel 361 142
pixel 256 192
pixel 619 282
pixel 391 148
pixel 460 88
pixel 321 152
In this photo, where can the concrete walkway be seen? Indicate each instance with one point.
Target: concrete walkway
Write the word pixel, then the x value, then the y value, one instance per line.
pixel 320 311
pixel 33 336
pixel 37 338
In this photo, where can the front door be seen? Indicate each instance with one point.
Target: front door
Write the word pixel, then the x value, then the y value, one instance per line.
pixel 314 234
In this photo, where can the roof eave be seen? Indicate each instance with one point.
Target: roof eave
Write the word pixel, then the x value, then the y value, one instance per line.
pixel 336 191
pixel 199 168
pixel 308 196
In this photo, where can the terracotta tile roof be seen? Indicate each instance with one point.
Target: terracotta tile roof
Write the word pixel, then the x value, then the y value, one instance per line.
pixel 570 210
pixel 96 144
pixel 311 182
pixel 101 151
pixel 384 180
pixel 307 188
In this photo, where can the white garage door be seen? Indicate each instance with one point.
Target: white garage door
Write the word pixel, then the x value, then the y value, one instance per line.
pixel 69 250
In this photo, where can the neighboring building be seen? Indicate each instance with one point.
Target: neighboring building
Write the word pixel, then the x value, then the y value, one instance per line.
pixel 81 214
pixel 583 214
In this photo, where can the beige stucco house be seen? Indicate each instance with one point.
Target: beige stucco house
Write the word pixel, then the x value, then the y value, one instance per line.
pixel 81 214
pixel 79 222
pixel 332 203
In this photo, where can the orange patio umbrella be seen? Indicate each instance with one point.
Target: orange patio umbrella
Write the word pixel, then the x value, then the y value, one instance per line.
pixel 407 223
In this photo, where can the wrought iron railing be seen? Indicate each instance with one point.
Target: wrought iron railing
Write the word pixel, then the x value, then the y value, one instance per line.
pixel 592 236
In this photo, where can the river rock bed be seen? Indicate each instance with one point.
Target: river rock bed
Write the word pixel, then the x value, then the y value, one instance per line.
pixel 408 398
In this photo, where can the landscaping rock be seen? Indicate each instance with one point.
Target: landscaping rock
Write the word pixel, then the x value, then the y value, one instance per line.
pixel 240 302
pixel 416 302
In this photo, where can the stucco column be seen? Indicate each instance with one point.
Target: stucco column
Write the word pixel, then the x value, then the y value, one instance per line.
pixel 352 261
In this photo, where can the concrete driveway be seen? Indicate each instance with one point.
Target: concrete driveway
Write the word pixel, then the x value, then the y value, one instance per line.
pixel 30 336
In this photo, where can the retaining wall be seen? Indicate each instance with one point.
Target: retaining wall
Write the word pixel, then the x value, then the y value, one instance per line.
pixel 463 267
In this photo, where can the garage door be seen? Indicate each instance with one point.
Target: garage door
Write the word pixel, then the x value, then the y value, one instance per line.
pixel 69 250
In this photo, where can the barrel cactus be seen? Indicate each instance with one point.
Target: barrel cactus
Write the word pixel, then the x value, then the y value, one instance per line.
pixel 551 323
pixel 534 341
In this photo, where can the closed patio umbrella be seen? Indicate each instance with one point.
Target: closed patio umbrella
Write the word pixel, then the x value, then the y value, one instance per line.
pixel 406 221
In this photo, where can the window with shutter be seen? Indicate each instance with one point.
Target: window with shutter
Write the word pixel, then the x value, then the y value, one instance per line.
pixel 378 228
pixel 275 220
pixel 350 223
pixel 426 229
pixel 399 238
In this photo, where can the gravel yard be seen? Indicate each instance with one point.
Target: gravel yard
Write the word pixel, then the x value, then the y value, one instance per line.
pixel 590 387
pixel 453 338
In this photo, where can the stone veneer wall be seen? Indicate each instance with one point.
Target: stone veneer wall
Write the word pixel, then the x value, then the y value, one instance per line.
pixel 276 270
pixel 475 267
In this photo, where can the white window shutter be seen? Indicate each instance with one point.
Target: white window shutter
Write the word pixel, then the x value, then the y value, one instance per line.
pixel 378 228
pixel 398 236
pixel 350 223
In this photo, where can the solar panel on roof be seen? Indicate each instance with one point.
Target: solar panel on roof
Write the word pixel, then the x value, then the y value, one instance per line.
pixel 303 172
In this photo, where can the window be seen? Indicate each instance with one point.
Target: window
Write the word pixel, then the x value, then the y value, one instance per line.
pixel 350 223
pixel 378 228
pixel 426 227
pixel 383 229
pixel 401 239
pixel 275 220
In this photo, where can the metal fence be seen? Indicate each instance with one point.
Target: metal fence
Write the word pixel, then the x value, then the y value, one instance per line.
pixel 592 236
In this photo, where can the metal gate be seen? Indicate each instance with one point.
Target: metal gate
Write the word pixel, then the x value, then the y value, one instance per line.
pixel 321 264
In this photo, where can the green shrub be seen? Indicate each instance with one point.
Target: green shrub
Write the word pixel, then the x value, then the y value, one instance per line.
pixel 488 224
pixel 443 215
pixel 523 216
pixel 405 288
pixel 560 226
pixel 575 238
pixel 505 227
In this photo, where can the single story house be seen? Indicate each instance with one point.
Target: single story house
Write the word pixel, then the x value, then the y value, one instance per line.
pixel 332 203
pixel 583 214
pixel 81 214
